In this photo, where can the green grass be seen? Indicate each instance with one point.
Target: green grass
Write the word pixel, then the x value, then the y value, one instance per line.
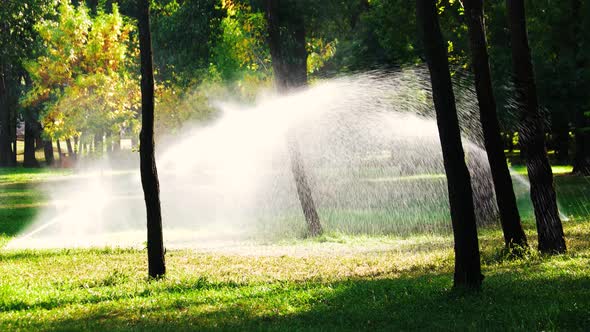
pixel 336 282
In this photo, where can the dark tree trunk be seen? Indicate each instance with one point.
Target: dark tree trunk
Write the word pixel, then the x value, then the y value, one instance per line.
pixel 29 159
pixel 59 152
pixel 14 146
pixel 149 173
pixel 6 153
pixel 71 152
pixel 38 139
pixel 532 135
pixel 48 150
pixel 32 132
pixel 467 259
pixel 509 216
pixel 286 39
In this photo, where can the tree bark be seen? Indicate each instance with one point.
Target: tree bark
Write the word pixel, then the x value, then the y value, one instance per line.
pixel 286 39
pixel 467 257
pixel 532 135
pixel 71 152
pixel 149 172
pixel 505 198
pixel 59 152
pixel 6 153
pixel 48 150
pixel 29 158
pixel 32 131
pixel 76 146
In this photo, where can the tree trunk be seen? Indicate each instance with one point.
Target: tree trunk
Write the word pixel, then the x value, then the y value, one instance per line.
pixel 76 146
pixel 71 152
pixel 29 159
pixel 286 39
pixel 59 152
pixel 467 258
pixel 31 132
pixel 532 135
pixel 149 172
pixel 505 198
pixel 6 157
pixel 48 150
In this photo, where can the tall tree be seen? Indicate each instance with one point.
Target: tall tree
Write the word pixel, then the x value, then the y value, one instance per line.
pixel 286 38
pixel 5 115
pixel 32 131
pixel 467 258
pixel 532 134
pixel 149 172
pixel 509 216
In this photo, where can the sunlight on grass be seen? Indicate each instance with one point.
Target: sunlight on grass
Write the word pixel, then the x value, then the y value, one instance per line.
pixel 338 281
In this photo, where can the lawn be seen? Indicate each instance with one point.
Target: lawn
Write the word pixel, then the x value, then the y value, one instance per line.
pixel 336 282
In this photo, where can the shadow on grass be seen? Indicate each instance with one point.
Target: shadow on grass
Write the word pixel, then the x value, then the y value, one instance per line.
pixel 14 220
pixel 509 301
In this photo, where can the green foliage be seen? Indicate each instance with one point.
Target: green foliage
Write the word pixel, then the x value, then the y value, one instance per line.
pixel 184 35
pixel 84 78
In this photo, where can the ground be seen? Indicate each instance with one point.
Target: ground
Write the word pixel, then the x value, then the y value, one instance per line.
pixel 337 282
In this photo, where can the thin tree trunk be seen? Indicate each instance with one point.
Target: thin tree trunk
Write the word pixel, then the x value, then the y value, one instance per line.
pixel 6 158
pixel 149 172
pixel 71 152
pixel 532 135
pixel 31 133
pixel 48 150
pixel 289 61
pixel 467 258
pixel 505 198
pixel 59 152
pixel 76 147
pixel 303 188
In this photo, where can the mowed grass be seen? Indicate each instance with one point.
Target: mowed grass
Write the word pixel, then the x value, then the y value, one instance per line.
pixel 336 282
